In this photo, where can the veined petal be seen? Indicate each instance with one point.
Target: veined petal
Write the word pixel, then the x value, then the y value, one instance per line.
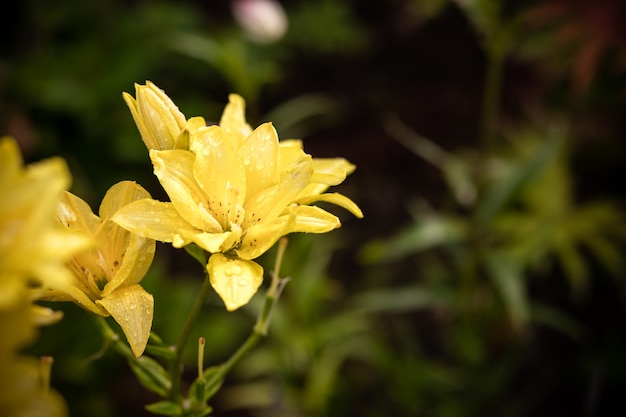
pixel 184 139
pixel 211 242
pixel 127 256
pixel 119 195
pixel 331 171
pixel 10 161
pixel 75 292
pixel 152 219
pixel 220 173
pixel 333 198
pixel 134 262
pixel 290 152
pixel 132 308
pixel 235 280
pixel 327 172
pixel 158 119
pixel 260 158
pixel 233 120
pixel 75 214
pixel 307 219
pixel 175 172
pixel 269 203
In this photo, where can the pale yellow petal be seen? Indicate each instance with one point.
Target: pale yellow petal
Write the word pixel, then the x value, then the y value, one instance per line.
pixel 133 263
pixel 119 195
pixel 220 173
pixel 306 219
pixel 333 198
pixel 10 161
pixel 148 139
pixel 233 119
pixel 269 203
pixel 152 219
pixel 260 158
pixel 160 116
pixel 75 214
pixel 175 172
pixel 211 242
pixel 235 280
pixel 74 292
pixel 44 316
pixel 185 138
pixel 331 171
pixel 290 153
pixel 132 308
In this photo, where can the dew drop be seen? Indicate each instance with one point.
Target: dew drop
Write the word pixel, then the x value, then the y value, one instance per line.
pixel 243 282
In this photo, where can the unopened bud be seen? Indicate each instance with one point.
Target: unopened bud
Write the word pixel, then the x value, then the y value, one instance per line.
pixel 157 117
pixel 264 21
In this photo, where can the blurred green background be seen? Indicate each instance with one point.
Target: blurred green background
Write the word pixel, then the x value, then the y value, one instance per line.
pixel 487 277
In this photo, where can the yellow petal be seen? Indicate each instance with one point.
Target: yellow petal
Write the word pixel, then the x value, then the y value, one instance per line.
pixel 260 157
pixel 221 175
pixel 132 308
pixel 75 292
pixel 233 119
pixel 235 280
pixel 152 219
pixel 186 135
pixel 333 198
pixel 175 172
pixel 135 262
pixel 211 242
pixel 44 316
pixel 75 214
pixel 158 119
pixel 331 171
pixel 269 203
pixel 10 161
pixel 119 195
pixel 307 219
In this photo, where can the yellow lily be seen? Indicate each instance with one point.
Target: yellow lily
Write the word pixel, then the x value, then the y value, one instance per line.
pixel 106 278
pixel 33 247
pixel 234 193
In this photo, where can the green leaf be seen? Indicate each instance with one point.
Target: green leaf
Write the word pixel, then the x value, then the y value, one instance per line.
pixel 151 375
pixel 410 298
pixel 503 190
pixel 431 231
pixel 165 408
pixel 508 279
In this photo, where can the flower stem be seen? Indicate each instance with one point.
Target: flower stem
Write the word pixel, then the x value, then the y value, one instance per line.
pixel 175 369
pixel 260 328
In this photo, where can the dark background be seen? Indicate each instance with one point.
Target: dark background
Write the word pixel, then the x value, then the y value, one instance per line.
pixel 357 339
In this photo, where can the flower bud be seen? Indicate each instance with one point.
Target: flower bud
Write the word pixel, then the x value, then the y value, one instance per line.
pixel 157 117
pixel 263 21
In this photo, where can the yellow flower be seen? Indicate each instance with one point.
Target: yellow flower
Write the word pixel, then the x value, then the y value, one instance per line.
pixel 160 123
pixel 106 278
pixel 33 247
pixel 234 193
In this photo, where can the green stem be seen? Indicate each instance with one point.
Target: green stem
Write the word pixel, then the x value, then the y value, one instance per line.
pixel 260 328
pixel 176 364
